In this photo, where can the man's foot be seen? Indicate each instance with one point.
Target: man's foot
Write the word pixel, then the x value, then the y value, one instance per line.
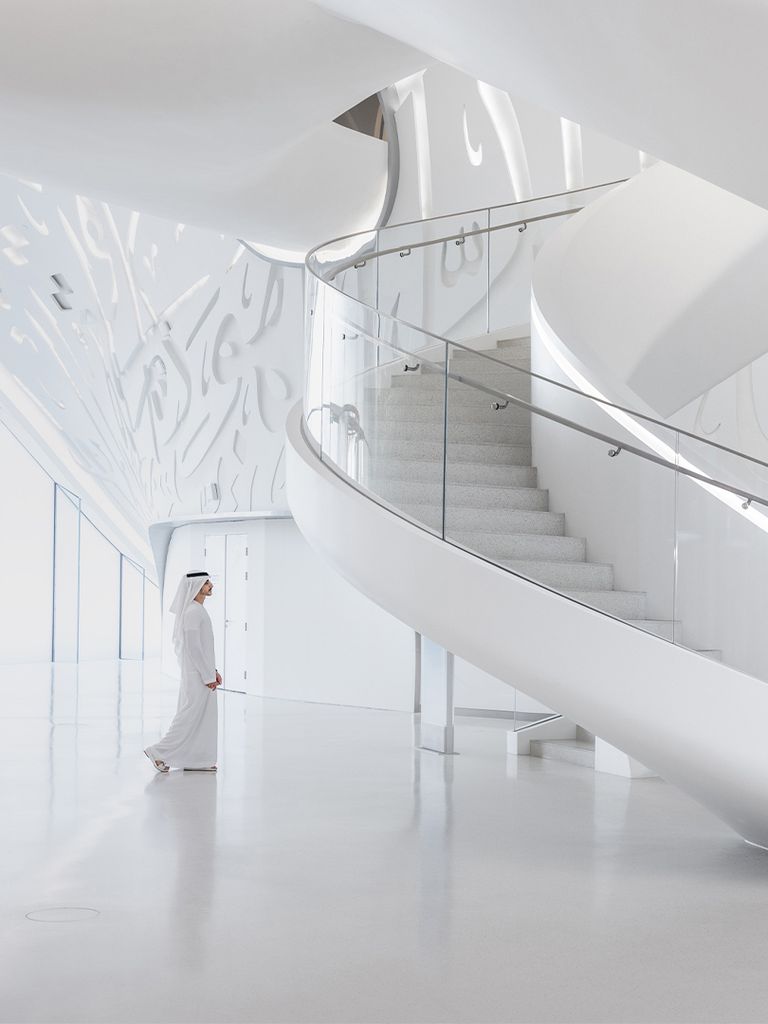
pixel 159 766
pixel 213 768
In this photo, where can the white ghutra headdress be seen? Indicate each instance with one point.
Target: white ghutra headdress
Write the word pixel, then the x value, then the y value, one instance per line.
pixel 189 587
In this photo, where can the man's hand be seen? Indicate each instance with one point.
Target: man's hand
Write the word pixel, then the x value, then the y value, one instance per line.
pixel 218 678
pixel 211 686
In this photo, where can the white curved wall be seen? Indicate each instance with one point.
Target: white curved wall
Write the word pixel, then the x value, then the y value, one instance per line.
pixel 658 288
pixel 192 111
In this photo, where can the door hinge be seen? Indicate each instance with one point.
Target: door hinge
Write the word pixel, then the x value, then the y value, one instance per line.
pixel 246 575
pixel 245 627
pixel 245 673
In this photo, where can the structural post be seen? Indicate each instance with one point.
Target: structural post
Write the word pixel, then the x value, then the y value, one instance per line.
pixel 436 726
pixel 417 673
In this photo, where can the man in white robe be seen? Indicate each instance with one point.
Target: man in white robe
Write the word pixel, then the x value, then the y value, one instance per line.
pixel 192 739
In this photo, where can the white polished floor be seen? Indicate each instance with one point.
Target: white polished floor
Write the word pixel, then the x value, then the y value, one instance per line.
pixel 331 873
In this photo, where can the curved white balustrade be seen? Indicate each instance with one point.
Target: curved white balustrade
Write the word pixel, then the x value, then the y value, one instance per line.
pixel 628 687
pixel 430 466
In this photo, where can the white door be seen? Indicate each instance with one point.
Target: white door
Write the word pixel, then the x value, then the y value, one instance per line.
pixel 236 604
pixel 215 565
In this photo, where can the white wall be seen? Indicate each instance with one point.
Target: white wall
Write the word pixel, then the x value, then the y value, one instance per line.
pixel 311 636
pixel 703 565
pixel 624 506
pixel 26 556
pixel 658 289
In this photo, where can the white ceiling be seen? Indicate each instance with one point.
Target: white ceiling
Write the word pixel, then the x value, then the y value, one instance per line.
pixel 194 110
pixel 685 81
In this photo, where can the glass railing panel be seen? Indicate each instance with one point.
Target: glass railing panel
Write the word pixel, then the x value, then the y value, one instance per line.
pixel 722 536
pixel 511 253
pixel 721 597
pixel 314 325
pixel 437 275
pixel 561 203
pixel 502 364
pixel 403 270
pixel 747 475
pixel 513 249
pixel 383 414
pixel 602 535
pixel 334 262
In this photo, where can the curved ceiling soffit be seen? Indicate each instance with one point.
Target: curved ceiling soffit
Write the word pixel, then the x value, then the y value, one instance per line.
pixel 165 135
pixel 614 68
pixel 387 100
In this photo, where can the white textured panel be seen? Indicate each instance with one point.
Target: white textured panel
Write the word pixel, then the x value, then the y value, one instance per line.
pixel 165 356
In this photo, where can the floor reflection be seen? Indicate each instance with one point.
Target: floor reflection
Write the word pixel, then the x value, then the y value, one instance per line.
pixel 180 821
pixel 433 812
pixel 329 872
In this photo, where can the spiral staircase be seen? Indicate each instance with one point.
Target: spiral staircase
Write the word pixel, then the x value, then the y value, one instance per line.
pixel 411 469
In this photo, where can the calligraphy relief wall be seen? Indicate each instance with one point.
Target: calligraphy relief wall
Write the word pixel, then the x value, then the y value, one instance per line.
pixel 166 356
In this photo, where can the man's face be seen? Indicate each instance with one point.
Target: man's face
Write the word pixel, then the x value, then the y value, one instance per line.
pixel 207 589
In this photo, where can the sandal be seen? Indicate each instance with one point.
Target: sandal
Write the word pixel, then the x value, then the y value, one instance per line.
pixel 159 766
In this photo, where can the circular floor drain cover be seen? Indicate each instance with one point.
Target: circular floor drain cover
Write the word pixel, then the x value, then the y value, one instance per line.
pixel 62 915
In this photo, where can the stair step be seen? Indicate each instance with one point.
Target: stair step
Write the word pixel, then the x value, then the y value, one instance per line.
pixel 516 384
pixel 580 752
pixel 503 343
pixel 712 654
pixel 387 468
pixel 515 349
pixel 403 428
pixel 458 451
pixel 462 495
pixel 565 575
pixel 522 546
pixel 624 604
pixel 415 412
pixel 659 627
pixel 416 395
pixel 488 520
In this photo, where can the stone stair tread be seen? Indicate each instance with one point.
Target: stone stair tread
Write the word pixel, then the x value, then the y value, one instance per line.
pixel 394 428
pixel 461 495
pixel 500 545
pixel 433 413
pixel 573 751
pixel 709 652
pixel 385 467
pixel 459 396
pixel 622 604
pixel 595 577
pixel 661 627
pixel 495 452
pixel 492 520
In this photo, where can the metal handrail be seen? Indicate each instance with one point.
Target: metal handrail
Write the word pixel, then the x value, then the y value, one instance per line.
pixel 406 249
pixel 330 281
pixel 466 213
pixel 618 446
